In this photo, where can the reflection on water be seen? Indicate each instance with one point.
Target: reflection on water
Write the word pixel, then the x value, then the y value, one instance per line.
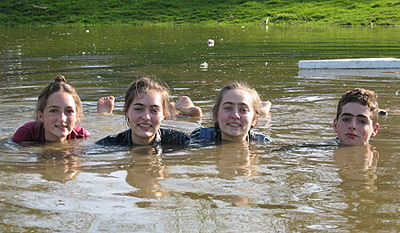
pixel 297 183
pixel 146 171
pixel 357 166
pixel 54 161
pixel 59 162
pixel 235 159
pixel 232 161
pixel 358 171
pixel 343 73
pixel 60 170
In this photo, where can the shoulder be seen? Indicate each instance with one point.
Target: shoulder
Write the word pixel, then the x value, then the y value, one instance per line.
pixel 259 137
pixel 172 136
pixel 204 136
pixel 30 131
pixel 31 125
pixel 121 139
pixel 80 132
pixel 203 133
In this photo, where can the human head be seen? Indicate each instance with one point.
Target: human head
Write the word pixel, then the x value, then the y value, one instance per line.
pixel 357 117
pixel 145 107
pixel 142 85
pixel 362 96
pixel 59 85
pixel 241 90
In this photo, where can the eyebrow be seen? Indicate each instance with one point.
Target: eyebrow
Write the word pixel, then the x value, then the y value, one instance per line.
pixel 55 106
pixel 142 105
pixel 351 115
pixel 235 103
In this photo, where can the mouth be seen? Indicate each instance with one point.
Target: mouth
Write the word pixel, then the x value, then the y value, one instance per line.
pixel 145 126
pixel 62 127
pixel 351 135
pixel 235 125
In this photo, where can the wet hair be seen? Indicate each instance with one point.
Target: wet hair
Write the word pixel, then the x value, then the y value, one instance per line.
pixel 362 96
pixel 59 85
pixel 238 86
pixel 146 84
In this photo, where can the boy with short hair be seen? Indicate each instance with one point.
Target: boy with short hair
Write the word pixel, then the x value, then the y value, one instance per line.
pixel 357 117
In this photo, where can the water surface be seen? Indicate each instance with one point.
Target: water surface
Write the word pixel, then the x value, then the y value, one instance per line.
pixel 302 181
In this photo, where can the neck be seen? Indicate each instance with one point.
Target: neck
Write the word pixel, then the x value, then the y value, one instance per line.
pixel 142 141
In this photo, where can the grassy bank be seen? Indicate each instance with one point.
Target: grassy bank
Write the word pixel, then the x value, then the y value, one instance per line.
pixel 100 12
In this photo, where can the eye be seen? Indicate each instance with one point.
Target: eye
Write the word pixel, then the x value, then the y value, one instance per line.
pixel 244 110
pixel 70 111
pixel 346 119
pixel 155 110
pixel 138 109
pixel 227 108
pixel 53 110
pixel 362 122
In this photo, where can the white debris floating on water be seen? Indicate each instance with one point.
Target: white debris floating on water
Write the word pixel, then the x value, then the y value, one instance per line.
pixel 355 63
pixel 204 65
pixel 210 42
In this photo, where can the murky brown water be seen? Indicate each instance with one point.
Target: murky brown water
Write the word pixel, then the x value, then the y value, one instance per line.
pixel 301 182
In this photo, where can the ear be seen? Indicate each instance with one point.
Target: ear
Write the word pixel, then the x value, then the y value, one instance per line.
pixel 254 122
pixel 376 129
pixel 334 125
pixel 40 116
pixel 215 117
pixel 127 118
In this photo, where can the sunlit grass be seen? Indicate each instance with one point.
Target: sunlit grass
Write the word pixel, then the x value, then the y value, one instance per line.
pixel 98 12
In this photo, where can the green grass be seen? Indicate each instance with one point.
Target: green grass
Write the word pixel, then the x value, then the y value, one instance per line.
pixel 108 12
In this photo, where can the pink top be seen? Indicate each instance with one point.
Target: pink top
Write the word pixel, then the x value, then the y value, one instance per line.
pixel 34 131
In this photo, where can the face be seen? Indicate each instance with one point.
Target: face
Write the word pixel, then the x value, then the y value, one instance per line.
pixel 236 115
pixel 59 116
pixel 145 114
pixel 355 126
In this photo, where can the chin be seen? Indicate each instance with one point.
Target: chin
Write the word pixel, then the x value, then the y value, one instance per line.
pixel 352 143
pixel 147 135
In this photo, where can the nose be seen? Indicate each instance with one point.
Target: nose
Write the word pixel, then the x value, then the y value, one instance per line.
pixel 146 114
pixel 235 113
pixel 353 123
pixel 63 117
